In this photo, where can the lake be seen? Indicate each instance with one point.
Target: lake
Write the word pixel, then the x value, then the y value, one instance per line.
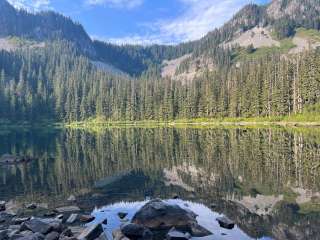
pixel 266 180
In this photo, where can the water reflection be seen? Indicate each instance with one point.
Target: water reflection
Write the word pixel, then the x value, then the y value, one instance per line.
pixel 265 179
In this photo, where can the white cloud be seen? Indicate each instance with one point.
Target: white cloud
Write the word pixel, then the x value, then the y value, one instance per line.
pixel 127 4
pixel 196 20
pixel 31 5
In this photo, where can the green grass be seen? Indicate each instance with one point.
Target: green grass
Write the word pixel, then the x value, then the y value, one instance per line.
pixel 311 34
pixel 285 46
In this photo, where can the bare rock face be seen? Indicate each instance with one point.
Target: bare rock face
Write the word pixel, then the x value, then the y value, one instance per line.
pixel 158 215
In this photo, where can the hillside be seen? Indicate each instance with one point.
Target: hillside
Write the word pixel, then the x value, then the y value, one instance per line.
pixel 257 65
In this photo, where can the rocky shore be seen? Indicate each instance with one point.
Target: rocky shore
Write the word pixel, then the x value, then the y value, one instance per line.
pixel 155 220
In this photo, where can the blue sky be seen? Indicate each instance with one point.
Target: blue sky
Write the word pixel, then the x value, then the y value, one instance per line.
pixel 143 21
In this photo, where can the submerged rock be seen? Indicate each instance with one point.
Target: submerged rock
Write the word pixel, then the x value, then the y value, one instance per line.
pixel 225 222
pixel 158 215
pixel 122 215
pixel 91 232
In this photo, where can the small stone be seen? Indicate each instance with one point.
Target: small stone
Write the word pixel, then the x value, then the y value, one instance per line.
pixel 67 232
pixel 122 215
pixel 73 217
pixel 49 214
pixel 2 206
pixel 175 197
pixel 213 206
pixel 18 221
pixel 91 232
pixel 52 236
pixel 105 222
pixel 72 198
pixel 31 206
pixel 68 209
pixel 86 218
pixel 225 222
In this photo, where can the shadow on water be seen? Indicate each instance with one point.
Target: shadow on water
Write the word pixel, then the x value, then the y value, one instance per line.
pixel 266 180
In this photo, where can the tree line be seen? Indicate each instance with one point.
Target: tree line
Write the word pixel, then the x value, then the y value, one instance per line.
pixel 57 83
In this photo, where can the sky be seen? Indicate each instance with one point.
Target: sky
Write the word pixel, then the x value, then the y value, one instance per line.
pixel 143 21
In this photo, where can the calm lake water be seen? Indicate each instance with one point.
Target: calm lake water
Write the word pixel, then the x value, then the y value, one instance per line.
pixel 266 180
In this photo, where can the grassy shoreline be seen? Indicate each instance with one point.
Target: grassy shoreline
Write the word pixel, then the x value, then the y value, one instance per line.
pixel 293 121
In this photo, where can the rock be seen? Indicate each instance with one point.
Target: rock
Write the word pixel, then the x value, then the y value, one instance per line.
pixel 36 226
pixel 118 235
pixel 135 231
pixel 56 226
pixel 199 231
pixel 91 232
pixel 9 159
pixel 73 218
pixel 18 221
pixel 225 222
pixel 2 219
pixel 68 209
pixel 52 236
pixel 157 215
pixel 77 230
pixel 102 237
pixel 72 198
pixel 122 215
pixel 2 206
pixel 67 233
pixel 175 196
pixel 3 234
pixel 105 222
pixel 173 234
pixel 49 214
pixel 86 218
pixel 59 217
pixel 31 206
pixel 213 206
pixel 34 236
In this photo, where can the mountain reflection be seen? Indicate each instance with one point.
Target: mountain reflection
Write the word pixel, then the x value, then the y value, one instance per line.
pixel 265 179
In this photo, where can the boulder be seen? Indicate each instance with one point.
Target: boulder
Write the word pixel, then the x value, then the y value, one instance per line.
pixel 52 236
pixel 91 232
pixel 36 226
pixel 158 215
pixel 34 236
pixel 174 234
pixel 225 222
pixel 135 232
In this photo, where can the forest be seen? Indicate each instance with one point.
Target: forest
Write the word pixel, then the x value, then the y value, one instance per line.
pixel 56 83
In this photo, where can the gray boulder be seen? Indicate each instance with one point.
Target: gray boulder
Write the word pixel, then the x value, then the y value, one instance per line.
pixel 52 236
pixel 158 215
pixel 225 222
pixel 36 226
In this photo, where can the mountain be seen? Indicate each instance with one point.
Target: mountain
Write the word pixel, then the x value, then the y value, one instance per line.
pixel 261 63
